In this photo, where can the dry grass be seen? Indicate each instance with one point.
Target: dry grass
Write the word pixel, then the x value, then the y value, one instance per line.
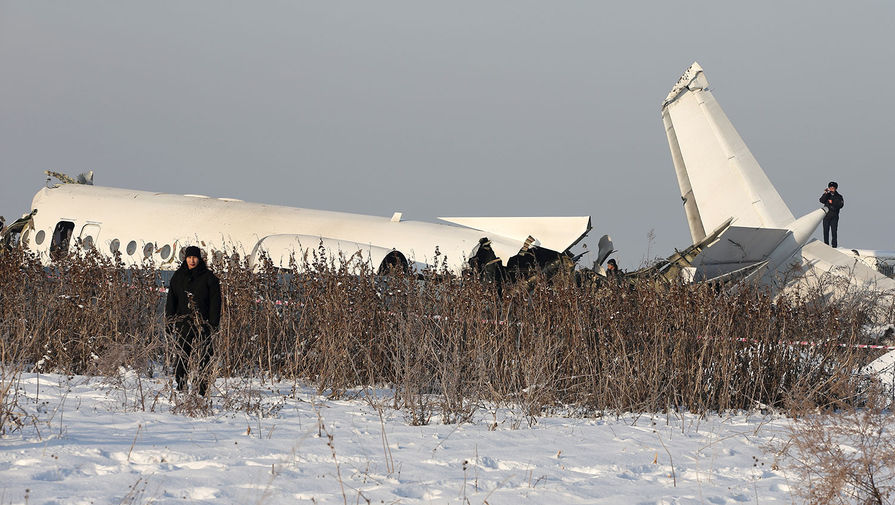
pixel 843 457
pixel 445 344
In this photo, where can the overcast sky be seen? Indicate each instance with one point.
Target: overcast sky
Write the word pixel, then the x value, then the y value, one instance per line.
pixel 451 108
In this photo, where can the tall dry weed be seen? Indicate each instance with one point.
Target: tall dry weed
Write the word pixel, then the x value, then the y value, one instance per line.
pixel 446 343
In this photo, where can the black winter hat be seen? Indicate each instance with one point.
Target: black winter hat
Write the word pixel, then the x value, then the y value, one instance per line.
pixel 192 251
pixel 833 184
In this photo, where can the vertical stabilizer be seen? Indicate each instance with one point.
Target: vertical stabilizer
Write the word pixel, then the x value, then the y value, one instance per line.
pixel 717 174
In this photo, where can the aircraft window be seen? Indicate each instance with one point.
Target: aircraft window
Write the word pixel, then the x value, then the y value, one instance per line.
pixel 39 238
pixel 166 251
pixel 147 250
pixel 61 237
pixel 87 243
pixel 131 247
pixel 114 245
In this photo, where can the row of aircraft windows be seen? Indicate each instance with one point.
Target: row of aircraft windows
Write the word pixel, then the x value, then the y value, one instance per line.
pixel 63 232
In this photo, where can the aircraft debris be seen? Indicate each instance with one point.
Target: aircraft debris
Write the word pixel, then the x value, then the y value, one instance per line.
pixel 82 178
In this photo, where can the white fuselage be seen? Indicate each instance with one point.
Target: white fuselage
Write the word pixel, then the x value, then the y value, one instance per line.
pixel 147 226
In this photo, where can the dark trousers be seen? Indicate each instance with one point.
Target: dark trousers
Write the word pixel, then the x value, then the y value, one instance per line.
pixel 193 346
pixel 831 224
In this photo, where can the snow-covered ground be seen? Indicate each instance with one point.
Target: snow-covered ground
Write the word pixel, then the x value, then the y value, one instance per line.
pixel 94 444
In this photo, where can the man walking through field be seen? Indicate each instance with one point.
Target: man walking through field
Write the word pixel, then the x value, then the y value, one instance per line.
pixel 193 310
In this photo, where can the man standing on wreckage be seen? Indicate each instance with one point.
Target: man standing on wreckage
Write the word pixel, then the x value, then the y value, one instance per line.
pixel 193 312
pixel 833 201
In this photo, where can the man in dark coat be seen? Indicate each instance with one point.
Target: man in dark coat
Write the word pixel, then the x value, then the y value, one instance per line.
pixel 614 276
pixel 612 268
pixel 193 310
pixel 833 202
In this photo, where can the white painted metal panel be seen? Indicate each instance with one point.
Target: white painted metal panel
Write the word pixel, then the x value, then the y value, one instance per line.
pixel 306 250
pixel 555 233
pixel 742 245
pixel 714 166
pixel 235 226
pixel 823 258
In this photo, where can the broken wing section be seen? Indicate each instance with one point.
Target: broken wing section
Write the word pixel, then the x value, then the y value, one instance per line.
pixel 840 277
pixel 16 232
pixel 555 233
pixel 819 258
pixel 717 174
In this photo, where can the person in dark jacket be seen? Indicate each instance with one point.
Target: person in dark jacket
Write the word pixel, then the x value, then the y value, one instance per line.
pixel 193 311
pixel 611 267
pixel 833 202
pixel 614 276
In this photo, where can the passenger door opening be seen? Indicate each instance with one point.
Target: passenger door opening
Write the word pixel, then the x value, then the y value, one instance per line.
pixel 61 238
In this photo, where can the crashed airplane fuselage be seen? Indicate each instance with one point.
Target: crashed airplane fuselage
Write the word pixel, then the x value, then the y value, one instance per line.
pixel 145 226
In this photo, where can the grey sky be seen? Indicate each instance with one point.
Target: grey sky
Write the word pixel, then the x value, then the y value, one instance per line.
pixel 460 108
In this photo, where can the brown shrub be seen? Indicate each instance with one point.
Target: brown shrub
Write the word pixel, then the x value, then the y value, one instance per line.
pixel 446 343
pixel 843 457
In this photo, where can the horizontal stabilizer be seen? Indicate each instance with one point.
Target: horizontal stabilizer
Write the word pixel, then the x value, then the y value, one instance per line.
pixel 743 245
pixel 554 233
pixel 736 248
pixel 746 274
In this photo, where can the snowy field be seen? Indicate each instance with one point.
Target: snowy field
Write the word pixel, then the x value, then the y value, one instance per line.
pixel 94 444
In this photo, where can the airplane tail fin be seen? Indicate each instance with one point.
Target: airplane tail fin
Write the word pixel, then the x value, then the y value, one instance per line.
pixel 724 189
pixel 717 174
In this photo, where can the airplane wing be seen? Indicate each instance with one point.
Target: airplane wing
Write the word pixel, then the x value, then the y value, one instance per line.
pixel 717 174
